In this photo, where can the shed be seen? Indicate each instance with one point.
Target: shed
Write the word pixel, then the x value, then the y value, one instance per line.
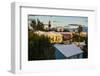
pixel 67 51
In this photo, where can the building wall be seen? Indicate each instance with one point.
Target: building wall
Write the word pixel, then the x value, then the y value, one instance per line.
pixel 59 55
pixel 78 56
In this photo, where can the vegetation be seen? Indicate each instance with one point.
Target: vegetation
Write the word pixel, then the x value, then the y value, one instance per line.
pixel 49 25
pixel 80 29
pixel 33 24
pixel 85 48
pixel 37 25
pixel 39 47
pixel 78 38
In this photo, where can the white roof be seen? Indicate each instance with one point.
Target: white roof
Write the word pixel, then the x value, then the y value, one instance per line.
pixel 68 50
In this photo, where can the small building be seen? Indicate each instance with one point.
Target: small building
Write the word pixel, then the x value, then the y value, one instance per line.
pixel 66 35
pixel 46 27
pixel 60 29
pixel 55 37
pixel 83 34
pixel 68 51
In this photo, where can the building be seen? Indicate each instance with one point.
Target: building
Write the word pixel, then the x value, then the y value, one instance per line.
pixel 83 34
pixel 46 27
pixel 71 28
pixel 53 36
pixel 59 29
pixel 68 51
pixel 66 35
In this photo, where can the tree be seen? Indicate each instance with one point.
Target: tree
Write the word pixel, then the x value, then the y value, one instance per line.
pixel 33 24
pixel 80 29
pixel 85 48
pixel 37 25
pixel 39 47
pixel 40 25
pixel 86 41
pixel 49 25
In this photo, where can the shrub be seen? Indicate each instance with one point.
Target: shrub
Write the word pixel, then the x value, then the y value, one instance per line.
pixel 39 47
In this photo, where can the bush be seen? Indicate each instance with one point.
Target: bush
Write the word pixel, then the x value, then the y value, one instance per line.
pixel 77 38
pixel 39 47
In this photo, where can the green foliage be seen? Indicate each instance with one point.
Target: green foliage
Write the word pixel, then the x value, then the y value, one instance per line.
pixel 39 47
pixel 78 38
pixel 49 25
pixel 33 24
pixel 37 25
pixel 86 42
pixel 85 48
pixel 40 25
pixel 80 29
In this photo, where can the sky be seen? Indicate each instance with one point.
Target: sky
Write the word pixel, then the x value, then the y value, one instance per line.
pixel 60 20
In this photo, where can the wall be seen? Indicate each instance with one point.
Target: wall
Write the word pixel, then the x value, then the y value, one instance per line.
pixel 5 33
